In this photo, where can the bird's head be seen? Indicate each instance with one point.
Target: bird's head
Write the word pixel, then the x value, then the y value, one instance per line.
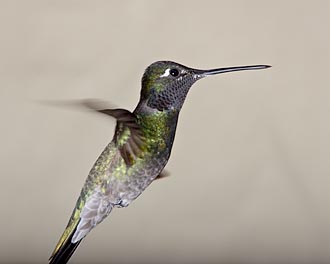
pixel 165 84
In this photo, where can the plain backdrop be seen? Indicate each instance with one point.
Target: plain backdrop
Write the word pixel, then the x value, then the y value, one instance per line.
pixel 250 170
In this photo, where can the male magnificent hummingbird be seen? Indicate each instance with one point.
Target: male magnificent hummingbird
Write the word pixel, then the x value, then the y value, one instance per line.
pixel 138 152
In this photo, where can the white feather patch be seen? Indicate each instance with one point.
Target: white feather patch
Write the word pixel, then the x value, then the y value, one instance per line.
pixel 166 73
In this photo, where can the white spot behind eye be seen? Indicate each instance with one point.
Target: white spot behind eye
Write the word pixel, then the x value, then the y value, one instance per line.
pixel 166 73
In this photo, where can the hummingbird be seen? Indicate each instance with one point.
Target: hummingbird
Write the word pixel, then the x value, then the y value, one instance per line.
pixel 140 148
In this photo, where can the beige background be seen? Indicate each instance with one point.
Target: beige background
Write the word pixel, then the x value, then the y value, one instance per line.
pixel 250 171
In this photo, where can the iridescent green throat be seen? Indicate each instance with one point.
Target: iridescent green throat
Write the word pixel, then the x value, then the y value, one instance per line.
pixel 158 129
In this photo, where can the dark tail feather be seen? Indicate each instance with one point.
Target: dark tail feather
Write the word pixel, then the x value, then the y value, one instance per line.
pixel 63 255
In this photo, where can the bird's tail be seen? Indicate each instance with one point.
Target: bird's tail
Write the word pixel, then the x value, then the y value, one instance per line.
pixel 65 247
pixel 65 253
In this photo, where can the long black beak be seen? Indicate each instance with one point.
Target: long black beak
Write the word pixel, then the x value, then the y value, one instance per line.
pixel 230 69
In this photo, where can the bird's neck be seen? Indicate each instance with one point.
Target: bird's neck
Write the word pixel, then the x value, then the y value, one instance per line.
pixel 158 126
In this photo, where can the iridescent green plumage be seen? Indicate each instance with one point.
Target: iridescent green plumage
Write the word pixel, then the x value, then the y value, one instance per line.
pixel 137 154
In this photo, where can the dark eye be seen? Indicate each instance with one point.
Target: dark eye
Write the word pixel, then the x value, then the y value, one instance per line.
pixel 174 72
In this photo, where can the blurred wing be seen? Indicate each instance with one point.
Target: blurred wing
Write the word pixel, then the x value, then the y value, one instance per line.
pixel 131 143
pixel 128 136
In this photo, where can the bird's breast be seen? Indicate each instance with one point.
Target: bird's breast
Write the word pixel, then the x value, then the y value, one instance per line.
pixel 125 183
